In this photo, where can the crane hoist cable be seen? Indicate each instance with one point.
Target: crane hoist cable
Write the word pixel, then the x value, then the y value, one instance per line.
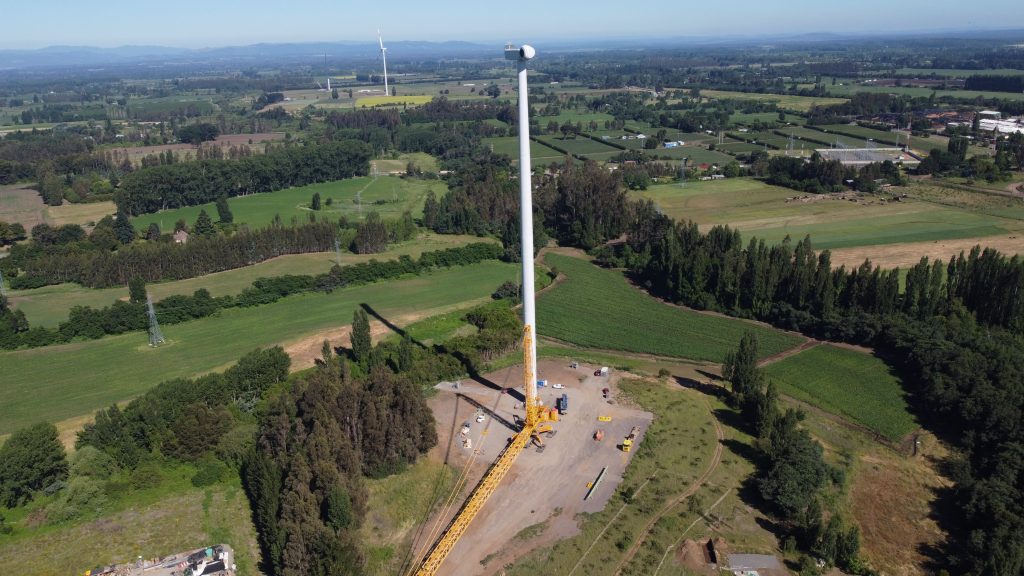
pixel 457 487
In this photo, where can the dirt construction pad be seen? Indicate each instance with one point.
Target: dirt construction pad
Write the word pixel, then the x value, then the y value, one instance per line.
pixel 538 501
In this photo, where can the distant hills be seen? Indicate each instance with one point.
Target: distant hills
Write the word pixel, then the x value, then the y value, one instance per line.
pixel 313 52
pixel 87 56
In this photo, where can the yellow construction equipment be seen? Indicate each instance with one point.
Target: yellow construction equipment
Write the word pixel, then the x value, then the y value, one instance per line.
pixel 627 442
pixel 531 427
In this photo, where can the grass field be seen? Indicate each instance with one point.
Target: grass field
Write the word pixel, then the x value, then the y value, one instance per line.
pixel 540 155
pixel 49 305
pixel 758 209
pixel 855 131
pixel 849 89
pixel 584 117
pixel 696 154
pixel 739 147
pixel 959 73
pixel 169 105
pixel 387 195
pixel 421 160
pixel 172 517
pixel 750 117
pixel 798 103
pixel 18 203
pixel 61 382
pixel 820 139
pixel 396 505
pixel 770 138
pixel 597 308
pixel 849 383
pixel 399 100
pixel 581 145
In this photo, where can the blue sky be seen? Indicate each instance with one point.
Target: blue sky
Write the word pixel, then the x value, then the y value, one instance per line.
pixel 211 23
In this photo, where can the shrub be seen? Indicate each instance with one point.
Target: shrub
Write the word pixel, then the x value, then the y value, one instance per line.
pixel 210 472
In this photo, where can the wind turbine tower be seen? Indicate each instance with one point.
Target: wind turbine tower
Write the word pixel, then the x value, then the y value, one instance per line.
pixel 384 58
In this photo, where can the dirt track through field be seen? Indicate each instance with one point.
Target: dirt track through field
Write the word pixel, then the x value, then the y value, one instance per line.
pixel 810 343
pixel 690 491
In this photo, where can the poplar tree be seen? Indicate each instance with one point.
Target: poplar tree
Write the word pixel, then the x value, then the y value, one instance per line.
pixel 361 342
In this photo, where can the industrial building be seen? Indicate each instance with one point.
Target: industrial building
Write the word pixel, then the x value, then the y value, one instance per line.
pixel 865 156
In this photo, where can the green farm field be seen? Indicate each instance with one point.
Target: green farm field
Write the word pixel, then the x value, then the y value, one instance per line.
pixel 540 155
pixel 580 145
pixel 739 147
pixel 49 305
pixel 819 139
pixel 855 131
pixel 848 89
pixel 759 209
pixel 60 382
pixel 696 154
pixel 584 117
pixel 847 382
pixel 395 195
pixel 798 103
pixel 598 308
pixel 750 117
pixel 959 73
pixel 421 160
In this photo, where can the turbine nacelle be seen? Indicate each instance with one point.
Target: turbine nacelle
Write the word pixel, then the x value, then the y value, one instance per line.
pixel 520 54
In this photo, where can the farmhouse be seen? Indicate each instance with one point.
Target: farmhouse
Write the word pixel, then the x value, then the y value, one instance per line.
pixel 181 237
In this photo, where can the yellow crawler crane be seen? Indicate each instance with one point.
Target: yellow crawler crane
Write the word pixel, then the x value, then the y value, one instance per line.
pixel 534 417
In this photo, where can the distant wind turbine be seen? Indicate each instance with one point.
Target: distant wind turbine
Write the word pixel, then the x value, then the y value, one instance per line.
pixel 384 57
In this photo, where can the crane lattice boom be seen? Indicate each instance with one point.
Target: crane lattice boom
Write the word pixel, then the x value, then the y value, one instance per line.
pixel 494 475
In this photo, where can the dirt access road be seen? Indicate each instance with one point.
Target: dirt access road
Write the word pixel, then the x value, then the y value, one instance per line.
pixel 543 491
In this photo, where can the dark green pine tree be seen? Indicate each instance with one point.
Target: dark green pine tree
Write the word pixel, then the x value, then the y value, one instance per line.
pixel 123 229
pixel 315 202
pixel 137 290
pixel 204 225
pixel 224 211
pixel 153 232
pixel 361 342
pixel 740 369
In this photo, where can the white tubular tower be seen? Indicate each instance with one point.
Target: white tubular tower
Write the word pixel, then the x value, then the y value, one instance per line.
pixel 384 59
pixel 521 56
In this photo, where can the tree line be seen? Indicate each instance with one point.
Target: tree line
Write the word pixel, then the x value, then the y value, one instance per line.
pixel 191 183
pixel 207 422
pixel 956 340
pixel 156 261
pixel 359 414
pixel 582 205
pixel 792 476
pixel 820 175
pixel 85 322
pixel 995 83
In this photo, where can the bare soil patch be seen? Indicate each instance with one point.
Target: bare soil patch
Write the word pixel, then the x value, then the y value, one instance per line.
pixel 544 490
pixel 905 255
pixel 19 203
